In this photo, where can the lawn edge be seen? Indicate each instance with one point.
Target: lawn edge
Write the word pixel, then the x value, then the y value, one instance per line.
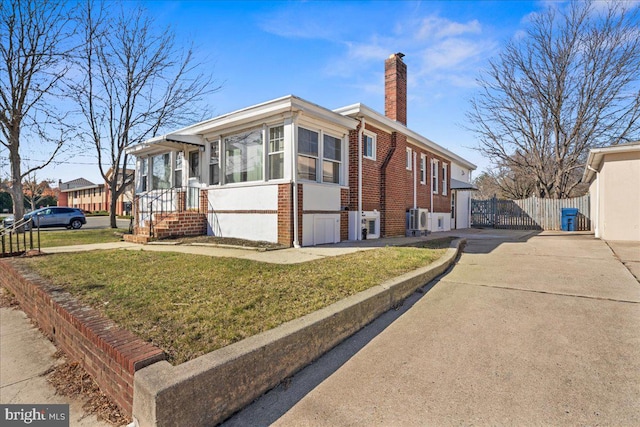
pixel 209 389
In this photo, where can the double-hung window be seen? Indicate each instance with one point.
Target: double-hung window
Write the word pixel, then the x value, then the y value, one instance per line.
pixel 144 170
pixel 243 157
pixel 214 163
pixel 332 159
pixel 276 152
pixel 434 176
pixel 161 171
pixel 423 169
pixel 307 154
pixel 177 171
pixel 409 156
pixel 369 147
pixel 444 179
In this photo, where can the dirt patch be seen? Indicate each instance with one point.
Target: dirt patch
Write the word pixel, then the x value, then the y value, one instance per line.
pixel 7 299
pixel 71 380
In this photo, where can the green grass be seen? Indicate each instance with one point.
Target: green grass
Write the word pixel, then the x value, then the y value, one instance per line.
pixel 190 305
pixel 51 238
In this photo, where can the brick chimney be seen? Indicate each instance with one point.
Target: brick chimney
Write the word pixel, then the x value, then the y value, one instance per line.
pixel 395 88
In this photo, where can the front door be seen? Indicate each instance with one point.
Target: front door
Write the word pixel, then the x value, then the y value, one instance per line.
pixel 193 187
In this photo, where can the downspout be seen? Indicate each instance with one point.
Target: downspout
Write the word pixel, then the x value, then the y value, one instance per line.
pixel 383 181
pixel 597 212
pixel 415 183
pixel 431 196
pixel 358 223
pixel 294 172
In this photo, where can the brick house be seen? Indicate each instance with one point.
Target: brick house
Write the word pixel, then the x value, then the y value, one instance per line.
pixel 84 194
pixel 245 174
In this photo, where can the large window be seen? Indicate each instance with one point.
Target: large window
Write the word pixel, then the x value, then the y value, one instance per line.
pixel 214 164
pixel 177 172
pixel 161 171
pixel 332 159
pixel 369 147
pixel 243 157
pixel 307 154
pixel 423 169
pixel 276 152
pixel 409 160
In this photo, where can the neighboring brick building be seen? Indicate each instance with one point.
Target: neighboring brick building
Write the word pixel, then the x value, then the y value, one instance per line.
pixel 341 171
pixel 84 194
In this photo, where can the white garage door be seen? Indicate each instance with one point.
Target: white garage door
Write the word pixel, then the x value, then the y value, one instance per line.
pixel 326 229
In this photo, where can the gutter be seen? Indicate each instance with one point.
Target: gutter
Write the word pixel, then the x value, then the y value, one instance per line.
pixel 358 224
pixel 294 172
pixel 596 220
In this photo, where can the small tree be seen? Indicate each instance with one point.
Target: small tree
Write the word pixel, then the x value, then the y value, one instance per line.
pixel 33 64
pixel 34 191
pixel 569 85
pixel 135 83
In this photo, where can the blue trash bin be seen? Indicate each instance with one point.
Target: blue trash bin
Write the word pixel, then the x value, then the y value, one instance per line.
pixel 569 219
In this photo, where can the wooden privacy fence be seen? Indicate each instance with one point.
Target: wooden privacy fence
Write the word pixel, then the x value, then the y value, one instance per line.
pixel 529 214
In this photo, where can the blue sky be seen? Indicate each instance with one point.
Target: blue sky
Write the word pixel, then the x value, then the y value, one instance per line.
pixel 332 54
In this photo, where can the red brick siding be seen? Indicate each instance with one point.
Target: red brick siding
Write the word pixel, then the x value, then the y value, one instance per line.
pixel 344 215
pixel 285 214
pixel 391 191
pixel 109 354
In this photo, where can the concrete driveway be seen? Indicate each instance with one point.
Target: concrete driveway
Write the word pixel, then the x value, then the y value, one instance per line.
pixel 543 330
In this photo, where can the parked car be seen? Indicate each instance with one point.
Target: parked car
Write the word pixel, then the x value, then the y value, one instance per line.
pixel 55 216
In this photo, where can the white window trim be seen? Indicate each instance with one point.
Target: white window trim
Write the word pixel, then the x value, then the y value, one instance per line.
pixel 434 176
pixel 409 160
pixel 270 153
pixel 374 145
pixel 444 178
pixel 323 159
pixel 423 168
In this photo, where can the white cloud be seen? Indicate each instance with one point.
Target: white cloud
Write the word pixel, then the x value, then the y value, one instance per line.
pixel 438 28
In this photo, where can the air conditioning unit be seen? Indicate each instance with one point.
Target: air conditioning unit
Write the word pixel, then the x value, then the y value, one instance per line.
pixel 419 219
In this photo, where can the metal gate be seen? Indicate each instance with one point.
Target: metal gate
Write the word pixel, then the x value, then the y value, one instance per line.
pixel 528 214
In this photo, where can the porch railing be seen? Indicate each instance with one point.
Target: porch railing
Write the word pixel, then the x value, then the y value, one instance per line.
pixel 18 238
pixel 155 205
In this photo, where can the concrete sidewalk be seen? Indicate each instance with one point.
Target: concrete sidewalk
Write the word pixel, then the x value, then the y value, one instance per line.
pixel 542 331
pixel 293 255
pixel 25 358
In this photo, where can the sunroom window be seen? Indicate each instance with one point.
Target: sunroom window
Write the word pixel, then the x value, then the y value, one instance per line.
pixel 276 152
pixel 332 159
pixel 243 154
pixel 161 171
pixel 307 154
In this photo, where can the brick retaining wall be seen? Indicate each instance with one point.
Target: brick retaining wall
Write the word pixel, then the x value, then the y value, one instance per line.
pixel 109 354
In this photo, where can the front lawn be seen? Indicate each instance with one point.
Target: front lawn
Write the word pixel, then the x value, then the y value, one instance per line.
pixel 51 238
pixel 190 305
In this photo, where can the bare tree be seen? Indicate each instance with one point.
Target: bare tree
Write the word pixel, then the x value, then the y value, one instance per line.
pixel 33 63
pixel 568 85
pixel 35 191
pixel 505 182
pixel 135 83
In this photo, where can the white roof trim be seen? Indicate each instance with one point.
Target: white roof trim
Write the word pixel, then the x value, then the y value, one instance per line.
pixel 376 118
pixel 596 156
